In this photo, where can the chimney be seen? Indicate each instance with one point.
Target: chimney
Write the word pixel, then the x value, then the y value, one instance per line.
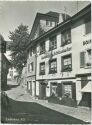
pixel 63 17
pixel 60 18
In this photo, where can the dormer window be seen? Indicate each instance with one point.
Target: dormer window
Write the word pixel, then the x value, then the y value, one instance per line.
pixel 48 23
pixel 66 37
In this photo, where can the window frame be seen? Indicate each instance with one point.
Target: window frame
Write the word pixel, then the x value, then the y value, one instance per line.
pixel 41 46
pixel 69 56
pixel 51 40
pixel 64 35
pixel 55 68
pixel 42 72
pixel 31 67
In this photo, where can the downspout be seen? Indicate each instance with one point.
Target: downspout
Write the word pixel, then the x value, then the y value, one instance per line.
pixel 35 70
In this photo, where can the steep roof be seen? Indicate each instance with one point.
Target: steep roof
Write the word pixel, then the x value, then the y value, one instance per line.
pixel 38 17
pixel 70 20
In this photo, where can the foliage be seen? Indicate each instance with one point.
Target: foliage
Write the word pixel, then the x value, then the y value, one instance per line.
pixel 19 38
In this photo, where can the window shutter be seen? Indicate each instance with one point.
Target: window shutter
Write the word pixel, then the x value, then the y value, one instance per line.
pixel 74 91
pixel 62 64
pixel 82 59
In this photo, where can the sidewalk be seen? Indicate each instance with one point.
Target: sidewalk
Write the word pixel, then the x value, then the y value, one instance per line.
pixel 82 113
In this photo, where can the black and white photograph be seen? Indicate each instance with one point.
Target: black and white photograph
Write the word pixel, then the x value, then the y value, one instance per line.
pixel 45 62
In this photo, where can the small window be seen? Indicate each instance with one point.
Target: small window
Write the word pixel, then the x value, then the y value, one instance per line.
pixel 66 37
pixel 85 59
pixel 66 63
pixel 87 25
pixel 42 48
pixel 47 23
pixel 30 52
pixel 53 66
pixel 53 43
pixel 42 68
pixel 30 67
pixel 34 50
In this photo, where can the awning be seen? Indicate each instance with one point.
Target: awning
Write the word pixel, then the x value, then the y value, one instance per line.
pixel 87 88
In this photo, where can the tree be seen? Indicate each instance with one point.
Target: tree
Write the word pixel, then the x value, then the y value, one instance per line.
pixel 19 38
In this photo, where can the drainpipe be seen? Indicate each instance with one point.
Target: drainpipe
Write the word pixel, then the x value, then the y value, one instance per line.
pixel 35 71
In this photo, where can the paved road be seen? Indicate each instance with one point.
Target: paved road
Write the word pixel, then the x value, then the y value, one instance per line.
pixel 29 105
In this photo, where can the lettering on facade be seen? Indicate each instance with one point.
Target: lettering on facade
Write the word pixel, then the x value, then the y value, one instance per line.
pixel 48 55
pixel 86 42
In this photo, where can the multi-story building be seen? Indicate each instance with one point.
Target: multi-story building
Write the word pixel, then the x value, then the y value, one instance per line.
pixel 4 64
pixel 63 58
pixel 42 23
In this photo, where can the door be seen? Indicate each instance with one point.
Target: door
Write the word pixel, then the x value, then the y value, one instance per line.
pixel 42 92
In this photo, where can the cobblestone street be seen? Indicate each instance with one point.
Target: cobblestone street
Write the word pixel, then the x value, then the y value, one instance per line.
pixel 22 103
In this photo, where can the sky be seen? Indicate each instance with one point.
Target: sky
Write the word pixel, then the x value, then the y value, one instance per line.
pixel 13 13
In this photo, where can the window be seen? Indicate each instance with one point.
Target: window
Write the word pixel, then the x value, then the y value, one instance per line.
pixel 85 58
pixel 11 73
pixel 30 52
pixel 66 37
pixel 30 67
pixel 53 43
pixel 34 50
pixel 87 25
pixel 42 48
pixel 47 23
pixel 42 68
pixel 68 90
pixel 52 66
pixel 66 63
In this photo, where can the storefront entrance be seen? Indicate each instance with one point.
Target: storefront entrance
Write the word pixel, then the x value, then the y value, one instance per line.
pixel 42 90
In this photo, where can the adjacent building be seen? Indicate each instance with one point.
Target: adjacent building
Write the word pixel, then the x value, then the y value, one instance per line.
pixel 4 64
pixel 61 62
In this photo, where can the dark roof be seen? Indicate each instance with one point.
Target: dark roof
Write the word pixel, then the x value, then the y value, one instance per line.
pixel 69 20
pixel 54 14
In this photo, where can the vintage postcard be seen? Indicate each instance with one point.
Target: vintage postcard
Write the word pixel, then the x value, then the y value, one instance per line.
pixel 45 62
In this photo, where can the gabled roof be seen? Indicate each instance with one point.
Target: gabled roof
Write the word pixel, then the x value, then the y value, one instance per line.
pixel 72 19
pixel 38 17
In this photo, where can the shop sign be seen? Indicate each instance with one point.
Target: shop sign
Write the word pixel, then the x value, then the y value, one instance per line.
pixel 86 42
pixel 48 55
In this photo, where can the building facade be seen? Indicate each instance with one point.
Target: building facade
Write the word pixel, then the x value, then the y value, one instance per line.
pixel 42 23
pixel 4 64
pixel 63 59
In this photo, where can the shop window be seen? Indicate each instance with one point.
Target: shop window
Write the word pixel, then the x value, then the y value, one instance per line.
pixel 87 25
pixel 42 68
pixel 30 67
pixel 66 37
pixel 53 43
pixel 68 90
pixel 54 89
pixel 42 48
pixel 52 66
pixel 66 63
pixel 85 58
